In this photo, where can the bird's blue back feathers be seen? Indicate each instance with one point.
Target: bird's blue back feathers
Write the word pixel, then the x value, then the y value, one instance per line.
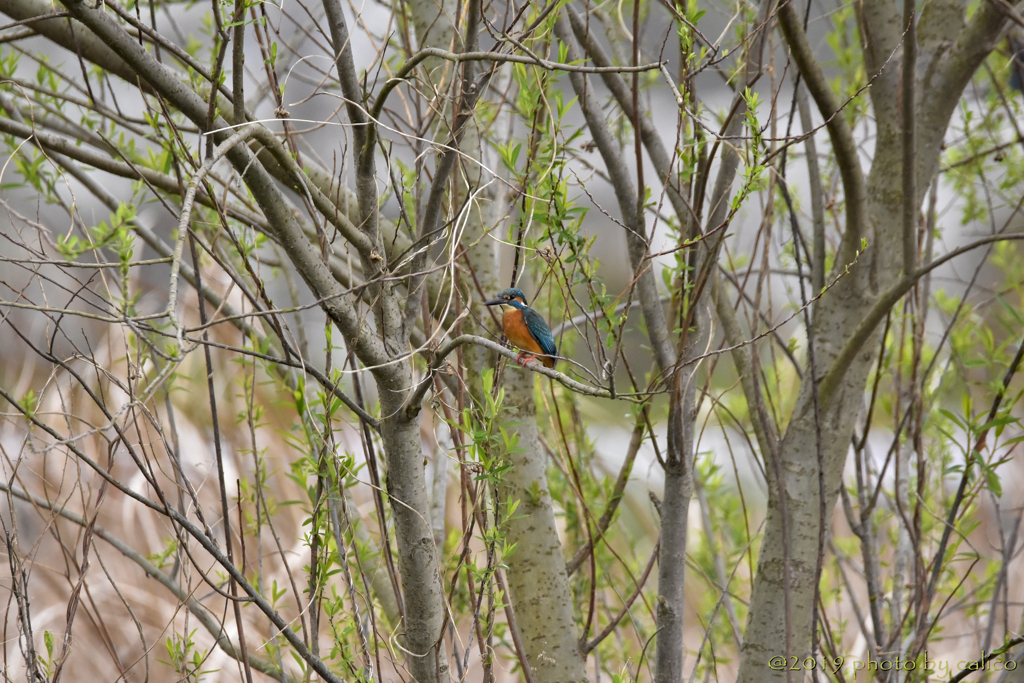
pixel 540 331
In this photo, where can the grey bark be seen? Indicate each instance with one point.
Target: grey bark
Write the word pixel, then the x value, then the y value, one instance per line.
pixel 537 580
pixel 72 35
pixel 417 561
pixel 817 195
pixel 410 506
pixel 342 43
pixel 679 462
pixel 675 507
pixel 839 314
pixel 538 583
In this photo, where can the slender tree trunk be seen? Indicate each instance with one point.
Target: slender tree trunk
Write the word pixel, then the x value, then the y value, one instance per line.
pixel 675 507
pixel 410 508
pixel 834 321
pixel 538 583
pixel 950 49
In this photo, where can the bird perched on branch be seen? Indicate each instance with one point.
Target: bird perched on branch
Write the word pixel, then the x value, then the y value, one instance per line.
pixel 525 328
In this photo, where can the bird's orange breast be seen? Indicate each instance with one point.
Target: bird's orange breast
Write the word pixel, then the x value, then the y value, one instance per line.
pixel 517 332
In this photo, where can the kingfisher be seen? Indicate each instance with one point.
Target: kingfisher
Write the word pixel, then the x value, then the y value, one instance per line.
pixel 525 328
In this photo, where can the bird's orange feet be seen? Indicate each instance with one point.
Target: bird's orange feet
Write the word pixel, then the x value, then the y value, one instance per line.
pixel 525 358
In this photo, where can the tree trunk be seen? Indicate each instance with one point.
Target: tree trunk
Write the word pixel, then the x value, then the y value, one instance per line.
pixel 839 314
pixel 538 583
pixel 410 508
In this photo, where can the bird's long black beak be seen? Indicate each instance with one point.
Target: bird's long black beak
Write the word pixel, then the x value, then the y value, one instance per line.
pixel 494 302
